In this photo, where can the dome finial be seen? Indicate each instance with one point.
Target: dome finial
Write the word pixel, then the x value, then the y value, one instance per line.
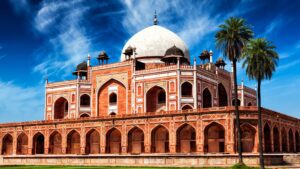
pixel 155 21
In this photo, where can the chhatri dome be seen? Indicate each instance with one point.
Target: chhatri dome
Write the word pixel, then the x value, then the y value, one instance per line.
pixel 152 43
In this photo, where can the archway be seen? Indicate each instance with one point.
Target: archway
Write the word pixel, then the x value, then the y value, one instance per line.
pixel 267 138
pixel 248 137
pixel 61 108
pixel 55 143
pixel 160 140
pixel 284 140
pixel 85 100
pixel 156 99
pixel 297 141
pixel 187 89
pixel 113 141
pixel 276 139
pixel 73 143
pixel 186 139
pixel 249 104
pixel 206 98
pixel 136 141
pixel 187 107
pixel 92 142
pixel 22 144
pixel 7 145
pixel 111 98
pixel 238 102
pixel 223 98
pixel 291 141
pixel 38 144
pixel 84 115
pixel 214 138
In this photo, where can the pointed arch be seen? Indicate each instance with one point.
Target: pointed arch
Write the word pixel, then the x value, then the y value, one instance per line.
pixel 55 143
pixel 73 142
pixel 84 115
pixel 214 138
pixel 92 142
pixel 160 139
pixel 103 105
pixel 297 141
pixel 222 95
pixel 85 100
pixel 155 99
pixel 187 107
pixel 7 145
pixel 135 141
pixel 267 138
pixel 206 98
pixel 276 138
pixel 22 144
pixel 38 142
pixel 291 141
pixel 113 141
pixel 284 140
pixel 61 108
pixel 248 137
pixel 186 139
pixel 186 89
pixel 113 98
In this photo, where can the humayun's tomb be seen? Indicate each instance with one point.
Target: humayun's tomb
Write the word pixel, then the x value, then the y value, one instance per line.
pixel 154 107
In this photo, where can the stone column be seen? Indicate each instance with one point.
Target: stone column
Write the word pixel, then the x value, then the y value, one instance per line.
pixel 272 140
pixel 102 140
pixel 172 137
pixel 30 143
pixel 46 142
pixel 0 144
pixel 15 140
pixel 82 140
pixel 124 143
pixel 295 144
pixel 64 141
pixel 288 140
pixel 280 139
pixel 147 139
pixel 199 136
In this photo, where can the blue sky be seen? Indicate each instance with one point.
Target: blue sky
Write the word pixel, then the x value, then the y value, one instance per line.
pixel 40 39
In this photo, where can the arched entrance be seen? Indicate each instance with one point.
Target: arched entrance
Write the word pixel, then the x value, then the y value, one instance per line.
pixel 7 145
pixel 291 141
pixel 73 143
pixel 38 144
pixel 186 89
pixel 22 144
pixel 222 94
pixel 92 142
pixel 238 102
pixel 135 141
pixel 267 138
pixel 187 107
pixel 160 140
pixel 61 108
pixel 284 140
pixel 156 99
pixel 248 137
pixel 84 115
pixel 55 143
pixel 276 139
pixel 214 138
pixel 206 98
pixel 186 139
pixel 113 141
pixel 297 141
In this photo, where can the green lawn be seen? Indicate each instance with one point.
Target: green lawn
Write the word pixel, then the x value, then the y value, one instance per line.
pixel 109 167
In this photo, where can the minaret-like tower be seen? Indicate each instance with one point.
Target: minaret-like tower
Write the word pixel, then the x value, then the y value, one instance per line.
pixel 155 21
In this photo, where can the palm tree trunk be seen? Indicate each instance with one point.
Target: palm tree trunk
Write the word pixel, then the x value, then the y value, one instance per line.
pixel 237 114
pixel 261 155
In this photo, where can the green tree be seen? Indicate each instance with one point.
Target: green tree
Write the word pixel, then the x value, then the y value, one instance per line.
pixel 232 37
pixel 260 62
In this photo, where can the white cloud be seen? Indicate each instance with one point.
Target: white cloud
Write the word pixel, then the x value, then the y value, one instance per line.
pixel 273 27
pixel 20 104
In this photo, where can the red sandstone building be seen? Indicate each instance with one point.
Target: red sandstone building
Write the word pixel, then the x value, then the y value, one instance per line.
pixel 155 100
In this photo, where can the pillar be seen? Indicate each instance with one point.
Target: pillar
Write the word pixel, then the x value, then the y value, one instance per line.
pixel 124 143
pixel 147 139
pixel 199 136
pixel 82 140
pixel 64 141
pixel 0 144
pixel 15 141
pixel 280 139
pixel 272 138
pixel 295 144
pixel 288 140
pixel 102 140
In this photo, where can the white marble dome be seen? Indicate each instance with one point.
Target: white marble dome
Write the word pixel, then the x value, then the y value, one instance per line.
pixel 152 42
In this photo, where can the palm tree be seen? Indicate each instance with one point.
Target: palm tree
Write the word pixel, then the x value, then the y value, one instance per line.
pixel 260 61
pixel 231 39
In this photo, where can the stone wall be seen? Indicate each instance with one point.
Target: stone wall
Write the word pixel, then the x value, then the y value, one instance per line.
pixel 140 160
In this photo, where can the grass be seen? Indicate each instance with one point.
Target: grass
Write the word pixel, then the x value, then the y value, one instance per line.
pixel 117 167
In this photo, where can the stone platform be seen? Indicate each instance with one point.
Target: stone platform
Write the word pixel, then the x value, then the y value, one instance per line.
pixel 145 160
